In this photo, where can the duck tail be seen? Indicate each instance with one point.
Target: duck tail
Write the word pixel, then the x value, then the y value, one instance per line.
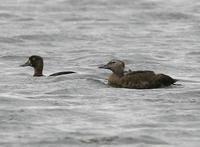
pixel 62 73
pixel 166 80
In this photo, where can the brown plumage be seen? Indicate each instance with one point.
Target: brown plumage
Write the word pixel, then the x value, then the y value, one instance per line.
pixel 135 79
pixel 37 63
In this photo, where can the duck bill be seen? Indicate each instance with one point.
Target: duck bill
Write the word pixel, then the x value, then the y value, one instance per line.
pixel 28 63
pixel 104 66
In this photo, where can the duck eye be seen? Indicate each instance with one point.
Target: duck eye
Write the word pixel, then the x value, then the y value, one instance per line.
pixel 112 62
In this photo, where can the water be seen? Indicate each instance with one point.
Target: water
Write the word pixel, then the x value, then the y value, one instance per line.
pixel 80 109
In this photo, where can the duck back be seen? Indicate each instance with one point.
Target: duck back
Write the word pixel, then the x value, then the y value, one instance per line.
pixel 138 79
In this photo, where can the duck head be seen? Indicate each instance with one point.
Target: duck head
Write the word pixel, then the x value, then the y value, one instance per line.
pixel 116 66
pixel 37 63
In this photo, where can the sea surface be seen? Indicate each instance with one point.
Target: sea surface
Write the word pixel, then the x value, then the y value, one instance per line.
pixel 81 110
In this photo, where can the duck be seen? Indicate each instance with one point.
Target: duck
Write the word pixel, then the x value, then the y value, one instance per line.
pixel 143 79
pixel 37 63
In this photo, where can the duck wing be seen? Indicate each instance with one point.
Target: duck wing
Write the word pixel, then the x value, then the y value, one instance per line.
pixel 62 73
pixel 138 80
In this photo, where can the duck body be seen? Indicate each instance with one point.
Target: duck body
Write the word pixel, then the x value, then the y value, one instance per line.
pixel 140 80
pixel 135 79
pixel 37 63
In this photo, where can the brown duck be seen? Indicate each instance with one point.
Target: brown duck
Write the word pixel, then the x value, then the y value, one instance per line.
pixel 135 79
pixel 37 63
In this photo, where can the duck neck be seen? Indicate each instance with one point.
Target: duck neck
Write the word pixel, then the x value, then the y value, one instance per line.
pixel 119 74
pixel 118 71
pixel 38 72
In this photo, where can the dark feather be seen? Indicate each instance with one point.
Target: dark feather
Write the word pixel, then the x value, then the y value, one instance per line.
pixel 62 73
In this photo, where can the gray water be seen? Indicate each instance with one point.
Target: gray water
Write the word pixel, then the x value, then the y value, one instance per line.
pixel 81 109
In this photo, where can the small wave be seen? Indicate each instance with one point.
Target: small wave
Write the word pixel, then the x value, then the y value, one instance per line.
pixel 97 82
pixel 8 15
pixel 188 81
pixel 10 40
pixel 148 5
pixel 125 140
pixel 25 19
pixel 37 37
pixel 170 16
pixel 77 19
pixel 11 57
pixel 193 53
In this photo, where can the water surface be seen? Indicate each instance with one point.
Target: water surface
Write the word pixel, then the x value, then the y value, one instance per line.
pixel 81 109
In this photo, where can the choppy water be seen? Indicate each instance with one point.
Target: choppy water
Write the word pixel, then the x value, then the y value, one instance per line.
pixel 80 109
